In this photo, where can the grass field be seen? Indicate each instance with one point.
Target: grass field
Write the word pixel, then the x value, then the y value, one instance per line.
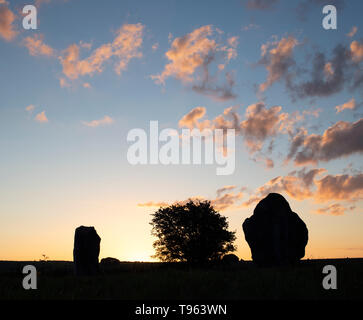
pixel 145 281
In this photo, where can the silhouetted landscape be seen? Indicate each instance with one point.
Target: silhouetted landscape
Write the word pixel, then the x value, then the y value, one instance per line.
pixel 158 151
pixel 193 243
pixel 148 281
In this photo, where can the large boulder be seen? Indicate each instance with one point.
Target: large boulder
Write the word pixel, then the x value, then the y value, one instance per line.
pixel 110 265
pixel 86 250
pixel 275 234
pixel 230 259
pixel 110 261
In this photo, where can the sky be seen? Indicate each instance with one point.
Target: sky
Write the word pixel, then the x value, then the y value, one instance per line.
pixel 72 90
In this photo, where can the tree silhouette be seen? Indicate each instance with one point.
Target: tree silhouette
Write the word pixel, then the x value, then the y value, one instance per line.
pixel 192 232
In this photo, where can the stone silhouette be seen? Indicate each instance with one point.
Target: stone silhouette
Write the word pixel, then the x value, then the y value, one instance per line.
pixel 110 265
pixel 110 261
pixel 230 259
pixel 275 234
pixel 86 250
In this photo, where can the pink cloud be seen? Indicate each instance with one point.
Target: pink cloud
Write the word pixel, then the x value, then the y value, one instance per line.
pixel 190 120
pixel 352 32
pixel 223 201
pixel 41 117
pixel 302 184
pixel 334 209
pixel 155 46
pixel 339 187
pixel 277 57
pixel 37 47
pixel 190 58
pixel 341 139
pixel 106 120
pixel 348 105
pixel 153 204
pixel 260 124
pixel 186 54
pixel 7 18
pixel 222 190
pixel 356 49
pixel 124 47
pixel 30 108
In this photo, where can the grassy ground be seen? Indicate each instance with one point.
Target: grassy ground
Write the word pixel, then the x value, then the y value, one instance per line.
pixel 135 281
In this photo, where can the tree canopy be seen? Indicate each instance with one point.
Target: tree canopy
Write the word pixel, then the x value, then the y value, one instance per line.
pixel 192 232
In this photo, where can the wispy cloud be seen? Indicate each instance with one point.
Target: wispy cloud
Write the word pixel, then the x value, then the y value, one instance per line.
pixel 339 187
pixel 125 46
pixel 341 139
pixel 7 18
pixel 260 125
pixel 155 46
pixel 302 184
pixel 37 47
pixel 352 32
pixel 153 204
pixel 356 49
pixel 328 77
pixel 227 200
pixel 222 190
pixel 277 57
pixel 63 82
pixel 335 209
pixel 294 185
pixel 348 105
pixel 190 58
pixel 224 200
pixel 41 117
pixel 186 54
pixel 30 108
pixel 190 120
pixel 106 120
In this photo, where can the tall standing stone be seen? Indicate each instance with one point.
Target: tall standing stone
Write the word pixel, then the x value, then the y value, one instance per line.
pixel 86 250
pixel 275 234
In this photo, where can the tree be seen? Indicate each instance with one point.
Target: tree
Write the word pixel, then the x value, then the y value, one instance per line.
pixel 192 232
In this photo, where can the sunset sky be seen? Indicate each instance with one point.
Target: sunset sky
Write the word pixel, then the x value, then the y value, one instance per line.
pixel 72 90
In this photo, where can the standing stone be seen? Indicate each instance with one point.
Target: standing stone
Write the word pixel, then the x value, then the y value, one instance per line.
pixel 275 234
pixel 86 250
pixel 230 259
